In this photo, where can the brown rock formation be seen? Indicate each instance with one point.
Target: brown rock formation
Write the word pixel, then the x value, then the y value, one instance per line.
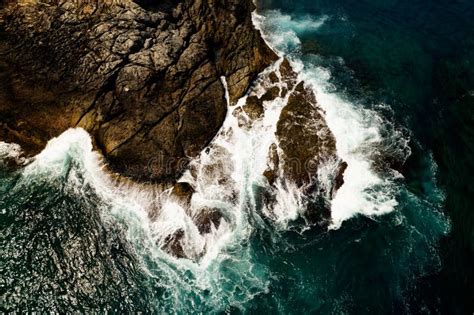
pixel 206 218
pixel 303 136
pixel 253 108
pixel 142 77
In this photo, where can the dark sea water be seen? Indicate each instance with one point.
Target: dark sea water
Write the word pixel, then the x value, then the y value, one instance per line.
pixel 72 241
pixel 418 57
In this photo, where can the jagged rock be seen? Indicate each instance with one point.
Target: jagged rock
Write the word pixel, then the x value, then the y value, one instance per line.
pixel 303 137
pixel 339 180
pixel 273 77
pixel 206 218
pixel 288 75
pixel 142 77
pixel 172 244
pixel 273 162
pixel 253 107
pixel 304 144
pixel 271 94
pixel 252 110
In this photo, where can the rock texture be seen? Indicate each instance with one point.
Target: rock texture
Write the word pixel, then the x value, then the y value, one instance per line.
pixel 304 151
pixel 304 142
pixel 144 77
pixel 303 136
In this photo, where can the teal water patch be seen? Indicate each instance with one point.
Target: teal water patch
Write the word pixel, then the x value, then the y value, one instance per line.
pixel 366 266
pixel 71 240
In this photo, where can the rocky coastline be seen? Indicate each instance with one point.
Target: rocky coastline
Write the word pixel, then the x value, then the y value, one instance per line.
pixel 143 78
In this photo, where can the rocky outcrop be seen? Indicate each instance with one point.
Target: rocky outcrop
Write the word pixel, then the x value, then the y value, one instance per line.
pixel 304 152
pixel 253 108
pixel 143 77
pixel 304 142
pixel 181 193
pixel 304 138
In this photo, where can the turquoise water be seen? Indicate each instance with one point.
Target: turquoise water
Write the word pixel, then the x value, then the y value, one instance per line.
pixel 73 241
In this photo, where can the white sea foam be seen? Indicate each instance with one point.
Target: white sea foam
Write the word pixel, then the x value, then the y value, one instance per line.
pixel 11 151
pixel 357 133
pixel 71 158
pixel 283 36
pixel 227 171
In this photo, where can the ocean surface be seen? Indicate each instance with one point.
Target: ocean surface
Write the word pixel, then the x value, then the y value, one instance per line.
pixel 396 82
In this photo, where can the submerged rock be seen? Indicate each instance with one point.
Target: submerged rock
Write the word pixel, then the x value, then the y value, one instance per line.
pixel 271 94
pixel 253 109
pixel 142 77
pixel 273 77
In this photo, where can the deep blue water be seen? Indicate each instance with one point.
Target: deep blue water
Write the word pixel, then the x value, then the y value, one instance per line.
pixel 68 243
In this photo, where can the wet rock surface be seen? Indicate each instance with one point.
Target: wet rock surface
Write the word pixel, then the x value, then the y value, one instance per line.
pixel 254 108
pixel 303 154
pixel 142 77
pixel 206 219
pixel 173 246
pixel 339 180
pixel 182 193
pixel 303 136
pixel 304 143
pixel 288 76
